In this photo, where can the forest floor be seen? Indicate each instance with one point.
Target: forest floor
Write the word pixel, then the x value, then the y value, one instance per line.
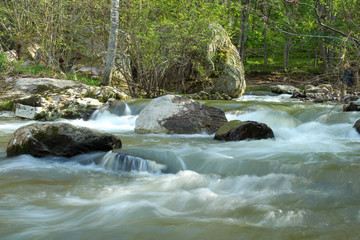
pixel 263 81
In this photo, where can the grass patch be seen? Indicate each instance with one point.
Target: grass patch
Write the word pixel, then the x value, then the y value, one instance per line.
pixel 298 64
pixel 257 89
pixel 38 70
pixel 6 106
pixel 83 79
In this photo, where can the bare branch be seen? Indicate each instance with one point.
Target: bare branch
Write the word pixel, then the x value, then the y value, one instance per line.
pixel 309 36
pixel 320 22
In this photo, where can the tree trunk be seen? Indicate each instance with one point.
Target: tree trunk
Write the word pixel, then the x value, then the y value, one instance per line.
pixel 244 18
pixel 266 10
pixel 111 52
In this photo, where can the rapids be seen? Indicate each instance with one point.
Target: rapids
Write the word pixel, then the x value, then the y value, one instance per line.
pixel 305 184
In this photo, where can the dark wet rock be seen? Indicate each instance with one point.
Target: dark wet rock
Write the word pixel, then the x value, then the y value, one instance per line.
pixel 357 126
pixel 174 114
pixel 352 106
pixel 242 130
pixel 298 95
pixel 59 139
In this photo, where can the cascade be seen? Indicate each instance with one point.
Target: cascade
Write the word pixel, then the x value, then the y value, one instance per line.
pixel 125 162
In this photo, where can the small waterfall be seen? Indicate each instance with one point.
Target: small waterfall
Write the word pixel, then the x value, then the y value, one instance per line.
pixel 127 163
pixel 127 110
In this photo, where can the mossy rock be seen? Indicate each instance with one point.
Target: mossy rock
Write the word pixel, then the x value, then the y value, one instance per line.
pixel 243 130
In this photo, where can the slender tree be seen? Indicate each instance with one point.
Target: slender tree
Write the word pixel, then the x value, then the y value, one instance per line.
pixel 111 52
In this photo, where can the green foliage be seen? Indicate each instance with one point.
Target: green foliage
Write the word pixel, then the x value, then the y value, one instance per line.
pixel 4 63
pixel 160 38
pixel 83 79
pixel 6 106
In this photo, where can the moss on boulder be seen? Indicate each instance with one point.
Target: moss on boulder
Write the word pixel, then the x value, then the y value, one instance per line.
pixel 242 130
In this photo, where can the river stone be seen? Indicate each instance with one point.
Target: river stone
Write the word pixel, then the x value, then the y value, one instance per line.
pixel 28 112
pixel 174 114
pixel 284 89
pixel 59 139
pixel 238 130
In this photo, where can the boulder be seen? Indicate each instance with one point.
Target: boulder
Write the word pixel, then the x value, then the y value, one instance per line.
pixel 59 139
pixel 238 130
pixel 357 126
pixel 284 89
pixel 228 72
pixel 175 114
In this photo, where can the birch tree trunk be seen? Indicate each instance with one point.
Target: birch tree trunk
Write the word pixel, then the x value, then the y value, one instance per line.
pixel 111 52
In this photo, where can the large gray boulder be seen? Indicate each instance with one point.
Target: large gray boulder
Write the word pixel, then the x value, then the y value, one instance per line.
pixel 59 139
pixel 174 114
pixel 243 130
pixel 227 65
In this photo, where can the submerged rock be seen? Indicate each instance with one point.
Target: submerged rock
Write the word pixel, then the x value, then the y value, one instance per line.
pixel 128 163
pixel 175 114
pixel 237 130
pixel 59 139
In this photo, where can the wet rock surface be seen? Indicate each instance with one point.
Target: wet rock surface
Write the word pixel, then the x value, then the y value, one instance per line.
pixel 174 114
pixel 59 139
pixel 243 130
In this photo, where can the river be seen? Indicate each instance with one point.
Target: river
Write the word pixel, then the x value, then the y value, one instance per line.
pixel 305 184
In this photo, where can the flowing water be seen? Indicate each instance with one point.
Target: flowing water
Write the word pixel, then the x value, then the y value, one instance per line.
pixel 305 184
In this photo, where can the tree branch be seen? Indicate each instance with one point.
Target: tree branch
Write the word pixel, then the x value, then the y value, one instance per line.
pixel 318 17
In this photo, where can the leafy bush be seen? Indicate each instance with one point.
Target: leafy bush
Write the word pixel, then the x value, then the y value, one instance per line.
pixel 4 63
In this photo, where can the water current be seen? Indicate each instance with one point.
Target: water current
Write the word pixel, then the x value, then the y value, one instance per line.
pixel 305 184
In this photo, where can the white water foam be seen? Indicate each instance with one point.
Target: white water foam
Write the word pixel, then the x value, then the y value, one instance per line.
pixel 265 98
pixel 107 121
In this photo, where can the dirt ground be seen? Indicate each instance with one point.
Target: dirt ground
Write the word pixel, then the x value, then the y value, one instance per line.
pixel 262 81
